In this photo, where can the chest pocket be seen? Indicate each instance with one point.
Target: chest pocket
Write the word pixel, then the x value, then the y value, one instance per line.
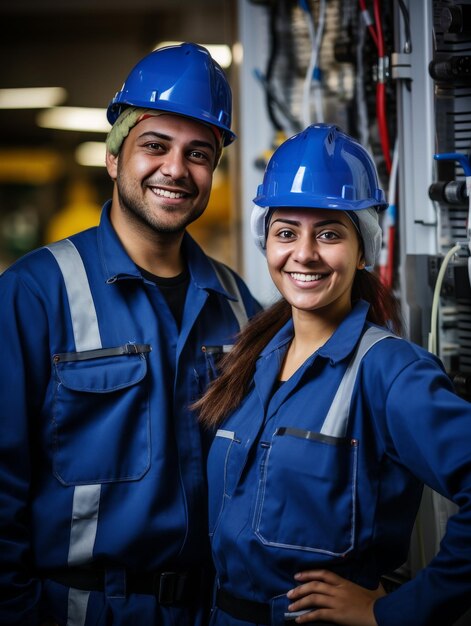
pixel 308 483
pixel 101 420
pixel 219 484
pixel 212 358
pixel 100 414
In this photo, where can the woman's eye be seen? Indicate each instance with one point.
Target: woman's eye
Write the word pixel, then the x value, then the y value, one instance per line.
pixel 328 234
pixel 285 234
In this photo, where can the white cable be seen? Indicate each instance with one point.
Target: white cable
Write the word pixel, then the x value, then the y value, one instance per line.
pixel 359 84
pixel 316 39
pixel 393 175
pixel 432 338
pixel 468 224
pixel 318 91
pixel 389 215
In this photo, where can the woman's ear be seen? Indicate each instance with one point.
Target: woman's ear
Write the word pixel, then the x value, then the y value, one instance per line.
pixel 361 263
pixel 112 165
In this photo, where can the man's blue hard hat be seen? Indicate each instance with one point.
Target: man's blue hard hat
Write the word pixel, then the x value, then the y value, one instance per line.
pixel 182 79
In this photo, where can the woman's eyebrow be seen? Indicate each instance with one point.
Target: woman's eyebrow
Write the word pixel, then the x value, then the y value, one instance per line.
pixel 284 220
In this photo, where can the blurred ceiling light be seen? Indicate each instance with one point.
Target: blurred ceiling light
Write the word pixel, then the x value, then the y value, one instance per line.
pixel 74 118
pixel 91 154
pixel 32 97
pixel 220 52
pixel 238 53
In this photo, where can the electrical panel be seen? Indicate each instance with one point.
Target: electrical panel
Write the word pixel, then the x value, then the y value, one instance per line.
pixel 450 70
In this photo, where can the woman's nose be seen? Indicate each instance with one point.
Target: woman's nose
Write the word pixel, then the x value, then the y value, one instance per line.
pixel 306 250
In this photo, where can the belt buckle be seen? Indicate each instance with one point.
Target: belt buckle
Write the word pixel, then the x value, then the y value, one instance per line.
pixel 170 587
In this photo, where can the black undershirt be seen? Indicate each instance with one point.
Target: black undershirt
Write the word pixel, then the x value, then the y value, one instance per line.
pixel 173 289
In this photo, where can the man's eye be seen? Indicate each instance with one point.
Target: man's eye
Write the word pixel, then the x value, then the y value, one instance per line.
pixel 199 156
pixel 153 145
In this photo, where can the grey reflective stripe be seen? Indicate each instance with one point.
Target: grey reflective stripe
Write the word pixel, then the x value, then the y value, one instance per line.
pixel 82 308
pixel 336 421
pixel 84 524
pixel 86 498
pixel 229 283
pixel 77 607
pixel 82 539
pixel 228 434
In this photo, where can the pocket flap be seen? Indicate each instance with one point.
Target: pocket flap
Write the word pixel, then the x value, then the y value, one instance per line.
pixel 102 375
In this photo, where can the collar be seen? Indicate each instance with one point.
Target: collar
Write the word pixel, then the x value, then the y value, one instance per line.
pixel 339 346
pixel 117 264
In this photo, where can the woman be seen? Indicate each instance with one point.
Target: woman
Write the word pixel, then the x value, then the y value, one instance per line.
pixel 327 423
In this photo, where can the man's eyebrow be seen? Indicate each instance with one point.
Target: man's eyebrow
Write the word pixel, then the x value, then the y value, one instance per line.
pixel 200 143
pixel 195 143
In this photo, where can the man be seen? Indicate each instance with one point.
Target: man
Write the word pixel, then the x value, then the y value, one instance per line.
pixel 107 337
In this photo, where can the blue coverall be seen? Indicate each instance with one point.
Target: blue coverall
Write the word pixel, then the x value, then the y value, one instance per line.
pixel 284 498
pixel 101 459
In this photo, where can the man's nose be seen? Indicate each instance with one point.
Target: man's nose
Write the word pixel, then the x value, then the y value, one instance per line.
pixel 174 165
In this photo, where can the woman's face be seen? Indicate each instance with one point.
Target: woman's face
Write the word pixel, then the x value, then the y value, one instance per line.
pixel 312 256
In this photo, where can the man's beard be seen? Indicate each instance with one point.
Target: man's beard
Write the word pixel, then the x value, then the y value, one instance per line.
pixel 137 210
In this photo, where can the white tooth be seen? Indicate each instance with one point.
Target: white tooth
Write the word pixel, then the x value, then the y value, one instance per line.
pixel 168 194
pixel 306 278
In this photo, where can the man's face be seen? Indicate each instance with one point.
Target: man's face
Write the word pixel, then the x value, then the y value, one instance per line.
pixel 164 172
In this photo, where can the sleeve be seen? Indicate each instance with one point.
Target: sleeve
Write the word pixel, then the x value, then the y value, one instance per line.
pixel 430 431
pixel 23 379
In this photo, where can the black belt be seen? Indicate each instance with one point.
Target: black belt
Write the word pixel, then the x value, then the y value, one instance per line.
pixel 167 587
pixel 245 610
pixel 249 610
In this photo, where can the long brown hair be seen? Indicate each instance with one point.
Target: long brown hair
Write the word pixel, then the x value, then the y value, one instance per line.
pixel 238 366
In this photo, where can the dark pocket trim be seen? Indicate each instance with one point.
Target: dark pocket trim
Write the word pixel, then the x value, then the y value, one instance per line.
pixel 126 349
pixel 312 436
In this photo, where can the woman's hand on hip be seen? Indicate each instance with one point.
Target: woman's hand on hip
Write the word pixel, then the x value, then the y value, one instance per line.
pixel 333 599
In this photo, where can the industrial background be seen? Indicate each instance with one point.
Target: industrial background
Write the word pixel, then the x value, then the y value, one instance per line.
pixel 394 73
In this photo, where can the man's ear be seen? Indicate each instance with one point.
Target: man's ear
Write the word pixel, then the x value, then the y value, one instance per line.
pixel 112 165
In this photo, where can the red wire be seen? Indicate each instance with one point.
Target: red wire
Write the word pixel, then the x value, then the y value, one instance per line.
pixel 381 92
pixel 370 27
pixel 386 271
pixel 379 29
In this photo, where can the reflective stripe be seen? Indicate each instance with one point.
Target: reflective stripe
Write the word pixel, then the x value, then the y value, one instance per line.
pixel 336 421
pixel 82 308
pixel 228 434
pixel 77 607
pixel 84 524
pixel 229 283
pixel 86 499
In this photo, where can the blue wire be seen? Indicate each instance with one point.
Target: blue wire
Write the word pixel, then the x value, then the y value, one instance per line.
pixel 304 4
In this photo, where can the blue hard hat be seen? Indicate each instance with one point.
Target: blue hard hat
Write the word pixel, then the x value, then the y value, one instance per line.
pixel 324 168
pixel 182 79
